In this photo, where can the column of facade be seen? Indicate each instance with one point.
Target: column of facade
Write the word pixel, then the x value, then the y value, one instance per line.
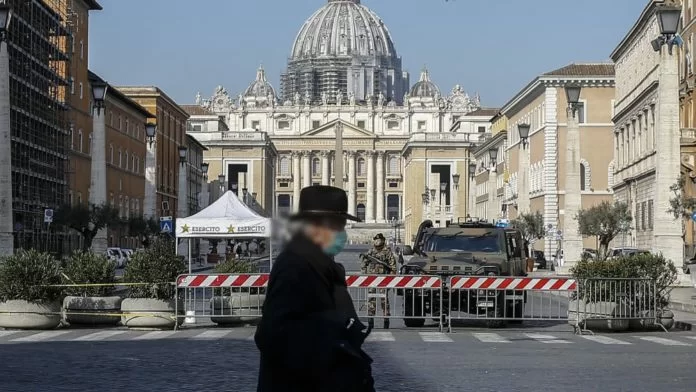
pixel 306 169
pixel 296 180
pixel 325 168
pixel 380 187
pixel 351 182
pixel 370 207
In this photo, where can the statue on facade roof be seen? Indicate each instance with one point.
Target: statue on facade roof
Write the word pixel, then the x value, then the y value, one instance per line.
pixel 240 101
pixel 351 98
pixel 324 98
pixel 339 97
pixel 199 101
pixel 380 99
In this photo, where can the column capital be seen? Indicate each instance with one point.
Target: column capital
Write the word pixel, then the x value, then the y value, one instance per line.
pixel 325 154
pixel 381 154
pixel 306 153
pixel 296 154
pixel 369 153
pixel 349 153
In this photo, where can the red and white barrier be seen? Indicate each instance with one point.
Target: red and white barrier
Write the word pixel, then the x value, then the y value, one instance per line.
pixel 393 281
pixel 501 283
pixel 241 280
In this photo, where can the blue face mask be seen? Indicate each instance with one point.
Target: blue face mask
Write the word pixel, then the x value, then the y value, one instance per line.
pixel 339 242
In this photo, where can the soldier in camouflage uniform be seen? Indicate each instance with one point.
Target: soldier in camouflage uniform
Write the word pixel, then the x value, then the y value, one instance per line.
pixel 381 252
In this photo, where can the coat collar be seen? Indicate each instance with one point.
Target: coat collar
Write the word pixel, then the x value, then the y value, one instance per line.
pixel 330 272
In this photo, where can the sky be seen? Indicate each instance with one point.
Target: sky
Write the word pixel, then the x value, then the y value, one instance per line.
pixel 493 47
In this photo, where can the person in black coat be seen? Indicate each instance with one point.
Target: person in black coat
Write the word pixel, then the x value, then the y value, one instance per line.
pixel 310 336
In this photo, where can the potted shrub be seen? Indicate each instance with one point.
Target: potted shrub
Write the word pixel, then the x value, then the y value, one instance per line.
pixel 90 268
pixel 239 304
pixel 152 303
pixel 608 307
pixel 29 297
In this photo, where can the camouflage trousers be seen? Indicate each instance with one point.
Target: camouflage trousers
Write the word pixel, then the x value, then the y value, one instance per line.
pixel 372 302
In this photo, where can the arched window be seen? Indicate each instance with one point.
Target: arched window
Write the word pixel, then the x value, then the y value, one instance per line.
pixel 583 183
pixel 111 153
pixel 316 167
pixel 610 175
pixel 89 144
pixel 284 166
pixel 79 137
pixel 120 158
pixel 126 162
pixel 362 168
pixel 393 165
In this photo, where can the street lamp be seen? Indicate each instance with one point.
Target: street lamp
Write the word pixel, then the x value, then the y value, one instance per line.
pixel 432 194
pixel 455 180
pixel 221 180
pixel 99 94
pixel 424 196
pixel 523 130
pixel 204 169
pixel 182 155
pixel 150 131
pixel 5 18
pixel 493 154
pixel 573 96
pixel 472 170
pixel 668 19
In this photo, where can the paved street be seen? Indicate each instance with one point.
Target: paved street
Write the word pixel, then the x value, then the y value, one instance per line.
pixel 524 359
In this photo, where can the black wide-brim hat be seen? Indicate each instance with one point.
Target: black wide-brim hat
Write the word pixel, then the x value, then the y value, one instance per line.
pixel 323 201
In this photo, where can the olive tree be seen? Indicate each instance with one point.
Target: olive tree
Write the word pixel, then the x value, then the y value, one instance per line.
pixel 531 225
pixel 87 220
pixel 681 206
pixel 605 221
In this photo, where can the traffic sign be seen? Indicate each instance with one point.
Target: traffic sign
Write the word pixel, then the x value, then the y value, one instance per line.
pixel 166 224
pixel 48 215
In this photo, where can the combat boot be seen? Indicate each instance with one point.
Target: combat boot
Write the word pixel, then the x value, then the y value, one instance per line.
pixel 386 323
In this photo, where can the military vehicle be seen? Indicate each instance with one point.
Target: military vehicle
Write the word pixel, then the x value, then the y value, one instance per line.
pixel 472 248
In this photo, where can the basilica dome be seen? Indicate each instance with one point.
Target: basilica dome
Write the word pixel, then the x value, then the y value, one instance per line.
pixel 343 50
pixel 425 88
pixel 343 28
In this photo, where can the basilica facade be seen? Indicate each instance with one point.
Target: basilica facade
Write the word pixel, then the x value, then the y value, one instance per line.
pixel 404 148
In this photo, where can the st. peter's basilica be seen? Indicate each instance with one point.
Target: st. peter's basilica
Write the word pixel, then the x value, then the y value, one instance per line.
pixel 405 148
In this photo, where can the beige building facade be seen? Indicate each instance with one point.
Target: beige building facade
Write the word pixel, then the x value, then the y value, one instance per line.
pixel 536 167
pixel 647 143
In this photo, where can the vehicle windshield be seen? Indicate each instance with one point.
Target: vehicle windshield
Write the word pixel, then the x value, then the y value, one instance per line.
pixel 462 243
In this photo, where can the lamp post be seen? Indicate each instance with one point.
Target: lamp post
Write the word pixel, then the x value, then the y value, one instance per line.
pixel 6 211
pixel 572 241
pixel 493 185
pixel 150 207
pixel 443 200
pixel 205 194
pixel 97 194
pixel 183 194
pixel 472 188
pixel 455 196
pixel 523 170
pixel 667 235
pixel 221 182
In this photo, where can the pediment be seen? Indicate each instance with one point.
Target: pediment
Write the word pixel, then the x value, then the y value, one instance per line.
pixel 328 130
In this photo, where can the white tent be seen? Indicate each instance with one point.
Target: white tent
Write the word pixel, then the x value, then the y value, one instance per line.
pixel 227 217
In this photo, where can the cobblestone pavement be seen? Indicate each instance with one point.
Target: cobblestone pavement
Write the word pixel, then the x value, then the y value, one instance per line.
pixel 522 359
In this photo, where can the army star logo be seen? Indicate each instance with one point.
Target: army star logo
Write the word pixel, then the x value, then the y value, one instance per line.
pixel 185 228
pixel 230 229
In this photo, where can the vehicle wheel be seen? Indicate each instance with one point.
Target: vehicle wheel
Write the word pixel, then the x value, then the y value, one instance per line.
pixel 413 309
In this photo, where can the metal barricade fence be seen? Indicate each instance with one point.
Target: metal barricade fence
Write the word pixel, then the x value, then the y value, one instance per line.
pixel 225 299
pixel 497 300
pixel 617 304
pixel 405 297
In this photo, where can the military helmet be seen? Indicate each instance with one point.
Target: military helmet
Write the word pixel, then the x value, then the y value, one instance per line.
pixel 379 236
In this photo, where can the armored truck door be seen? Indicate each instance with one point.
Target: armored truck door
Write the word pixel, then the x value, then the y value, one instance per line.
pixel 418 243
